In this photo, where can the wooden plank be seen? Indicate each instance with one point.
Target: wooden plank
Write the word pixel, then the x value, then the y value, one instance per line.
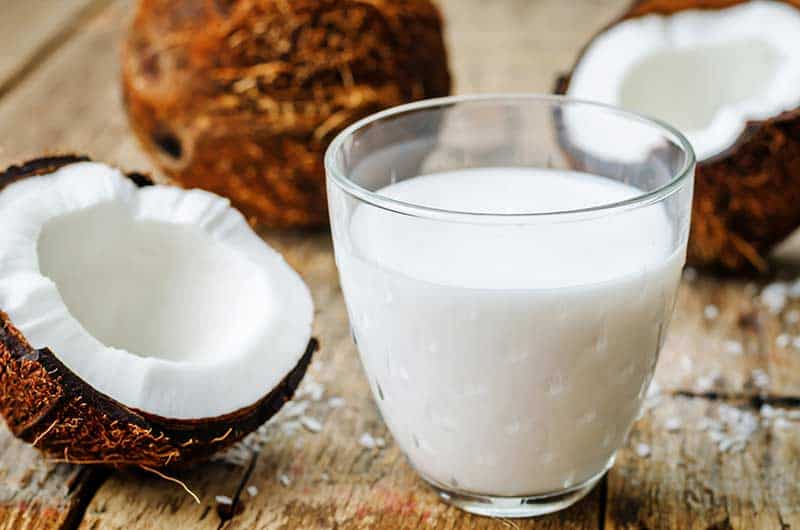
pixel 31 30
pixel 724 340
pixel 519 45
pixel 136 499
pixel 691 479
pixel 72 102
pixel 35 494
pixel 716 340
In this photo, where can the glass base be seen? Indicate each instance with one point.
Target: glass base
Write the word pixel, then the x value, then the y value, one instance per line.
pixel 515 507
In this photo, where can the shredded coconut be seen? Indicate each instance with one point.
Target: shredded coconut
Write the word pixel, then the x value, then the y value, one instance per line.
pixel 733 430
pixel 773 296
pixel 760 378
pixel 336 402
pixel 733 347
pixel 642 450
pixel 704 383
pixel 711 311
pixel 311 388
pixel 366 440
pixel 311 424
pixel 672 424
pixel 294 409
pixel 794 289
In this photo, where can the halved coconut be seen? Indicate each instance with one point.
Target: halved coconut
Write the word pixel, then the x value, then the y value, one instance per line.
pixel 139 324
pixel 727 74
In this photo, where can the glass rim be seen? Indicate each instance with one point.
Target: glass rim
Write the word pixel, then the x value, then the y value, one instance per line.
pixel 335 173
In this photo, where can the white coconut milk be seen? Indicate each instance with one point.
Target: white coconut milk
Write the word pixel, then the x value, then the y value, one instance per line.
pixel 509 359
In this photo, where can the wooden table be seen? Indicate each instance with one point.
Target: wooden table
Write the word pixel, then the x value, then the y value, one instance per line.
pixel 59 90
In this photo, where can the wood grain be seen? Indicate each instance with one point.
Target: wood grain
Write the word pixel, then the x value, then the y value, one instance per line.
pixel 688 482
pixel 333 482
pixel 519 45
pixel 35 494
pixel 31 30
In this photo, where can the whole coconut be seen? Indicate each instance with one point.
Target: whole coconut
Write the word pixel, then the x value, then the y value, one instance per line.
pixel 241 97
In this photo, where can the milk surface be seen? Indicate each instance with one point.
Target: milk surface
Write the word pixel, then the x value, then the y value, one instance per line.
pixel 509 358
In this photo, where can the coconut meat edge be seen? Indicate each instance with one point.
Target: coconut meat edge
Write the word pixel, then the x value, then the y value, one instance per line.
pixel 163 299
pixel 707 72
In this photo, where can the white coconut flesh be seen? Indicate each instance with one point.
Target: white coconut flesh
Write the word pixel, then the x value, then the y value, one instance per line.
pixel 162 298
pixel 706 72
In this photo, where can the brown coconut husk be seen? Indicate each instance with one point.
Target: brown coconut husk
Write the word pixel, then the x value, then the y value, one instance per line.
pixel 746 198
pixel 242 97
pixel 48 405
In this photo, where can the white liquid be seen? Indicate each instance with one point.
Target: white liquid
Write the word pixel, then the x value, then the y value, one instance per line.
pixel 509 360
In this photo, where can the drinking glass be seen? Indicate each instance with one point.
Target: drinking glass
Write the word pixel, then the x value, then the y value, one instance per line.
pixel 509 314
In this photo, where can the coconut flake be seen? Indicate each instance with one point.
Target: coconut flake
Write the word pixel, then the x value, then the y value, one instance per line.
pixel 672 424
pixel 793 291
pixel 783 340
pixel 311 424
pixel 760 378
pixel 284 479
pixel 294 409
pixel 252 491
pixel 734 429
pixel 223 500
pixel 366 440
pixel 733 347
pixel 336 402
pixel 711 312
pixel 642 450
pixel 289 428
pixel 768 411
pixel 782 423
pixel 311 389
pixel 704 383
pixel 773 296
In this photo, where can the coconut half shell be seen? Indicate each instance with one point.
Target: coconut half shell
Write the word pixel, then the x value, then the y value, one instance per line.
pixel 50 406
pixel 746 195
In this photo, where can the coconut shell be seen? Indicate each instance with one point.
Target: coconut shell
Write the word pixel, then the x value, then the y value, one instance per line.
pixel 745 198
pixel 242 97
pixel 46 404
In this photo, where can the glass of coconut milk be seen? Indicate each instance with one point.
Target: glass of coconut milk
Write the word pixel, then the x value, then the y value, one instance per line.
pixel 509 264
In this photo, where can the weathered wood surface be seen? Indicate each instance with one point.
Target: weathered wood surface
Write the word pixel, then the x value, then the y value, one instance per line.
pixel 69 100
pixel 31 30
